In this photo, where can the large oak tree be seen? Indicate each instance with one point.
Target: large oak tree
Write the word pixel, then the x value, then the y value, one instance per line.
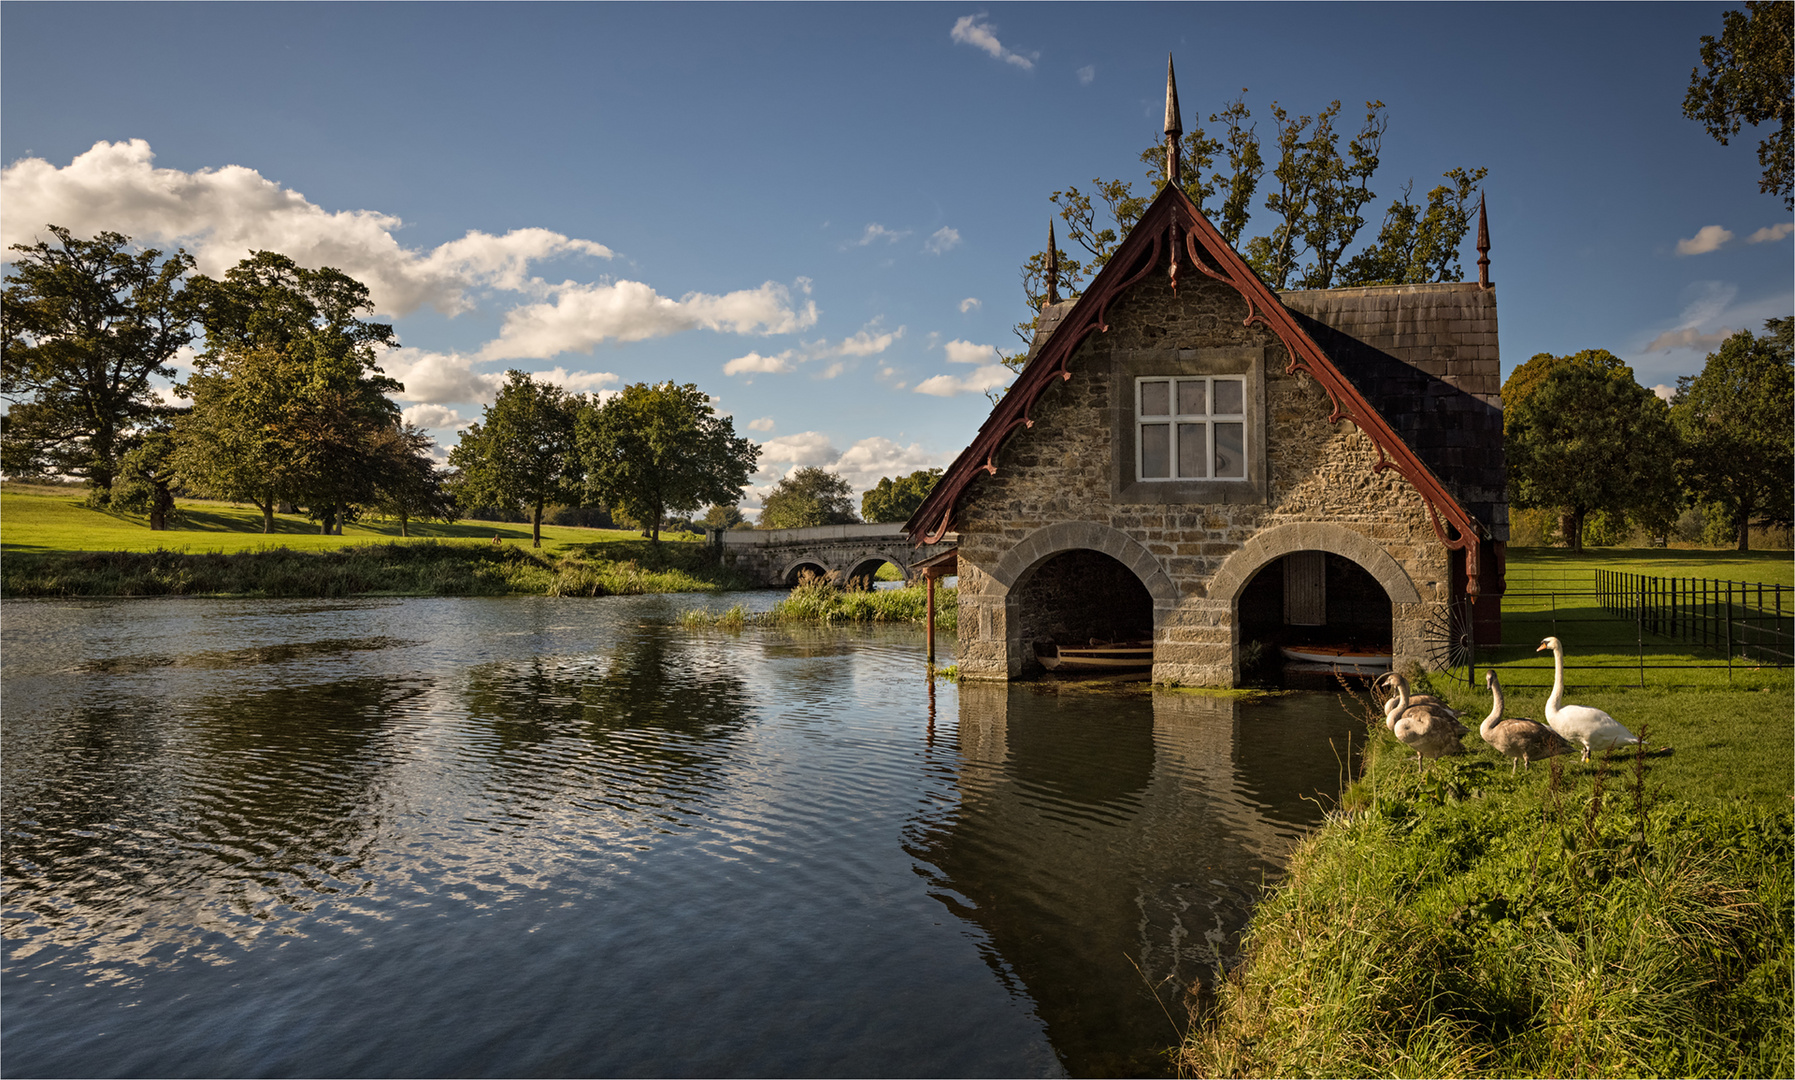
pixel 658 449
pixel 523 454
pixel 1738 435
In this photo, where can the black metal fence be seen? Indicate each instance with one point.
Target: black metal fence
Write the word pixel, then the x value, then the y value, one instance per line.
pixel 1667 624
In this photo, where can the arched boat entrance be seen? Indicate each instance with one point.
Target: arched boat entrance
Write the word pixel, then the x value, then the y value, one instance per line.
pixel 1315 599
pixel 1077 598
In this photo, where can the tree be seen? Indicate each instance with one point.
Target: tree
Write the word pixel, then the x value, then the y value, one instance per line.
pixel 896 500
pixel 289 402
pixel 1748 81
pixel 1316 208
pixel 85 325
pixel 523 453
pixel 1583 435
pixel 1738 448
pixel 410 485
pixel 809 496
pixel 146 479
pixel 660 449
pixel 723 517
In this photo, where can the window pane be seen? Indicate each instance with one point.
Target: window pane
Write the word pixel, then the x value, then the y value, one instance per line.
pixel 1156 398
pixel 1230 397
pixel 1230 450
pixel 1193 451
pixel 1156 451
pixel 1191 395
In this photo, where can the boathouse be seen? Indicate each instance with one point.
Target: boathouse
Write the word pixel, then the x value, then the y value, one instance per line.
pixel 1192 458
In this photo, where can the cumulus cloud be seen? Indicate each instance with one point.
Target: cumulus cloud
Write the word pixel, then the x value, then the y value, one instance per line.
pixel 797 451
pixel 756 364
pixel 1707 238
pixel 221 215
pixel 580 316
pixel 864 463
pixel 765 423
pixel 1087 74
pixel 989 377
pixel 1689 337
pixel 868 342
pixel 440 377
pixel 971 303
pixel 1665 391
pixel 876 231
pixel 965 352
pixel 974 30
pixel 581 382
pixel 1771 233
pixel 942 241
pixel 435 418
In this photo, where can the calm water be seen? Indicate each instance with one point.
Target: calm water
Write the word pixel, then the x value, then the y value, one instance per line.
pixel 531 836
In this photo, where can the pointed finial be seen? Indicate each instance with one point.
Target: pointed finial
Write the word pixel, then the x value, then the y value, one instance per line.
pixel 1053 266
pixel 1483 243
pixel 1174 126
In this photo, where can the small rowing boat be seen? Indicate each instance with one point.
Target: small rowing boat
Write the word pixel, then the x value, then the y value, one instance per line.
pixel 1098 656
pixel 1338 657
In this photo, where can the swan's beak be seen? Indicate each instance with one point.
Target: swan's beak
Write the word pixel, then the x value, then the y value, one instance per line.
pixel 1542 647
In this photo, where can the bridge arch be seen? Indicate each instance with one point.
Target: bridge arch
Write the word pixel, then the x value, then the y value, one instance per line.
pixel 866 565
pixel 795 568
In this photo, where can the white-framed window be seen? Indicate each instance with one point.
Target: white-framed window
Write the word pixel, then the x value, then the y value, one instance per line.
pixel 1190 428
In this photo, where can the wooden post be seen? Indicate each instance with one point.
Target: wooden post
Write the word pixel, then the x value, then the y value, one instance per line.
pixel 930 632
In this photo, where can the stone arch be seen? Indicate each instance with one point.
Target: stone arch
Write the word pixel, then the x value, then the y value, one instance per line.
pixel 789 575
pixel 1068 535
pixel 1281 540
pixel 860 562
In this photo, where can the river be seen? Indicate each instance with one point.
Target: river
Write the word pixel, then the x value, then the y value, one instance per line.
pixel 536 837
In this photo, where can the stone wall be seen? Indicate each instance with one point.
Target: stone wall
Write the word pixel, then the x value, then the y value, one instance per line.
pixel 1055 488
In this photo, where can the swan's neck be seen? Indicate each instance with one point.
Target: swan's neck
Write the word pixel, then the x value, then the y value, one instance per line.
pixel 1557 697
pixel 1489 724
pixel 1402 703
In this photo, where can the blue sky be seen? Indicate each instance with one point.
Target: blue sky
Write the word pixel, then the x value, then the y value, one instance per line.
pixel 817 212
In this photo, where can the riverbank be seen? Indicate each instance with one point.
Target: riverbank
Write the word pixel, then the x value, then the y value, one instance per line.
pixel 411 568
pixel 821 601
pixel 1619 918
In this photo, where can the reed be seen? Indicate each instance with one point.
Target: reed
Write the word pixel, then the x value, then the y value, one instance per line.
pixel 820 600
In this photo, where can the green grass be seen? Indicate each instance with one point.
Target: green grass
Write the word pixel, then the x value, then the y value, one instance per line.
pixel 821 601
pixel 36 519
pixel 1624 917
pixel 1527 565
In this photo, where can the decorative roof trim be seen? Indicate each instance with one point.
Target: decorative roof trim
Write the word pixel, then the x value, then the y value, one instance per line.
pixel 1172 222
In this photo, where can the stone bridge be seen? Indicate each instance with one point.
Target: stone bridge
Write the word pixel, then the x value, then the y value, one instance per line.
pixel 776 557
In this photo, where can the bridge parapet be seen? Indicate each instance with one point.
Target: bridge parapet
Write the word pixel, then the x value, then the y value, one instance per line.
pixel 776 557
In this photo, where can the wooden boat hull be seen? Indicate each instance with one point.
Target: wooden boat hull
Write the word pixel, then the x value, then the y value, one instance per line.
pixel 1337 658
pixel 1131 656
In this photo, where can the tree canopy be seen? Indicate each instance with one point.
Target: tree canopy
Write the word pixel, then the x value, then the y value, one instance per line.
pixel 1748 81
pixel 1737 436
pixel 523 453
pixel 809 496
pixel 85 325
pixel 658 449
pixel 896 499
pixel 1316 202
pixel 1582 435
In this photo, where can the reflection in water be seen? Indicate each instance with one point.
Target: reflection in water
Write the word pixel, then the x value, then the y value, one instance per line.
pixel 542 836
pixel 1111 850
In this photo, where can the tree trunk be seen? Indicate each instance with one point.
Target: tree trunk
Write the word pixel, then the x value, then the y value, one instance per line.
pixel 403 519
pixel 267 510
pixel 536 526
pixel 327 523
pixel 1571 524
pixel 160 508
pixel 1744 530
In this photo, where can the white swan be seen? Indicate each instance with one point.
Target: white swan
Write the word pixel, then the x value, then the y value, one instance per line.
pixel 1589 728
pixel 1414 699
pixel 1428 730
pixel 1518 738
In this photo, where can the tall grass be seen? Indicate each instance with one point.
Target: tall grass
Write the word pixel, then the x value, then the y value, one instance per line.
pixel 820 600
pixel 1575 920
pixel 417 568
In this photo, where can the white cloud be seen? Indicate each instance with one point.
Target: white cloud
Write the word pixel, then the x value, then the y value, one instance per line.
pixel 975 31
pixel 579 382
pixel 833 370
pixel 1087 74
pixel 756 364
pixel 868 460
pixel 867 342
pixel 1689 338
pixel 435 418
pixel 971 303
pixel 222 214
pixel 440 377
pixel 942 241
pixel 989 377
pixel 798 451
pixel 1707 238
pixel 965 352
pixel 1665 391
pixel 876 231
pixel 583 315
pixel 765 423
pixel 1771 233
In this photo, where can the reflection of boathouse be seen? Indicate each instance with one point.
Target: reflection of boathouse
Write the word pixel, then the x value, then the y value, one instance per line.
pixel 1090 826
pixel 1171 465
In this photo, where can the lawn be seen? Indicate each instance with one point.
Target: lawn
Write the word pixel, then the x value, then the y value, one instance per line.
pixel 43 519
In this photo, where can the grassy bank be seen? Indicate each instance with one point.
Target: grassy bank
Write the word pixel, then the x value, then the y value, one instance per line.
pixel 417 568
pixel 1610 919
pixel 820 601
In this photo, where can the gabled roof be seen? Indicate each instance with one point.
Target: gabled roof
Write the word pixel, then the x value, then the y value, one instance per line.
pixel 1174 232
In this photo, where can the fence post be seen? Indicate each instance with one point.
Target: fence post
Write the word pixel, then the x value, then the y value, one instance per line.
pixel 1640 615
pixel 1729 631
pixel 1471 643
